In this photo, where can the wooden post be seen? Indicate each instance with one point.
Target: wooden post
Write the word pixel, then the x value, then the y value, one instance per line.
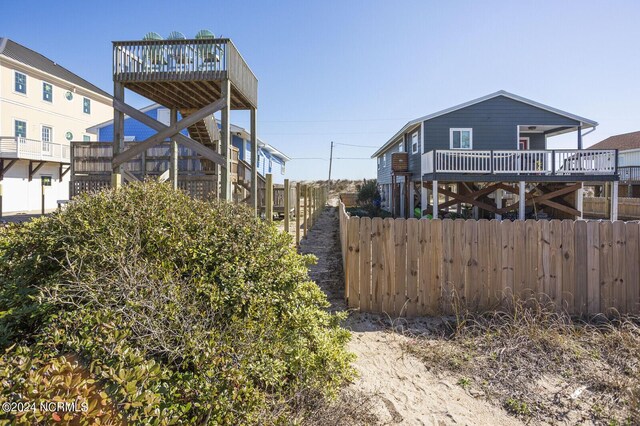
pixel 614 200
pixel 225 141
pixel 498 203
pixel 424 198
pixel 521 199
pixel 286 205
pixel 268 195
pixel 580 201
pixel 173 164
pixel 254 160
pixel 118 135
pixel 306 211
pixel 297 213
pixel 435 199
pixel 42 186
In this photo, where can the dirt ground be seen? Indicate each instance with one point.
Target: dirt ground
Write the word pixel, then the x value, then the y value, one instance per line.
pixel 403 390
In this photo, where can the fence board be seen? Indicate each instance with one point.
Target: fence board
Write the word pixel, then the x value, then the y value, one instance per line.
pixel 447 265
pixel 520 255
pixel 434 291
pixel 352 273
pixel 632 277
pixel 365 264
pixel 593 268
pixel 378 281
pixel 555 271
pixel 403 293
pixel 567 285
pixel 494 284
pixel 606 266
pixel 619 266
pixel 580 268
pixel 507 234
pixel 389 257
pixel 461 251
pixel 414 256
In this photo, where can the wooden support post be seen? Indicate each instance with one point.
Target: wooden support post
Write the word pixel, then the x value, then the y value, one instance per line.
pixel 607 195
pixel 225 142
pixel 580 201
pixel 412 199
pixel 424 198
pixel 286 206
pixel 173 164
pixel 254 160
pixel 118 135
pixel 614 200
pixel 42 189
pixel 435 199
pixel 498 203
pixel 297 206
pixel 522 195
pixel 268 195
pixel 306 209
pixel 458 205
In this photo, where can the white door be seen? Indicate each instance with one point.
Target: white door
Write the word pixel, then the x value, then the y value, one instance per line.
pixel 47 133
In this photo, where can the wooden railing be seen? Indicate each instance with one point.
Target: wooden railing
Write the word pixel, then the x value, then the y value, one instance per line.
pixel 629 174
pixel 183 60
pixel 550 162
pixel 31 149
pixel 432 267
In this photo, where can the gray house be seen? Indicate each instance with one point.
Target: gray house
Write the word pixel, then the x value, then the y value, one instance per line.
pixel 487 151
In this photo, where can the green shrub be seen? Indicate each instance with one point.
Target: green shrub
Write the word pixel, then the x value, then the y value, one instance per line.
pixel 162 309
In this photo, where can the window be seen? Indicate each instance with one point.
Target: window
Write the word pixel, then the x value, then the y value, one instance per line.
pixel 384 160
pixel 401 146
pixel 415 143
pixel 379 162
pixel 461 138
pixel 47 92
pixel 270 165
pixel 87 138
pixel 20 129
pixel 47 133
pixel 86 105
pixel 258 162
pixel 21 83
pixel 281 168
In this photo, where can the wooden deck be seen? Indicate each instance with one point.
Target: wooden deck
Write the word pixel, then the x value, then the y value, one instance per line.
pixel 185 74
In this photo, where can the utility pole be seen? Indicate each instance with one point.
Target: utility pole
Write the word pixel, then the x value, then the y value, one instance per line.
pixel 330 161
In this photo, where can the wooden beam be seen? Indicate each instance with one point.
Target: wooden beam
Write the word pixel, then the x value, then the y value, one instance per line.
pixel 465 198
pixel 4 169
pixel 129 177
pixel 165 131
pixel 531 198
pixel 225 141
pixel 33 171
pixel 62 171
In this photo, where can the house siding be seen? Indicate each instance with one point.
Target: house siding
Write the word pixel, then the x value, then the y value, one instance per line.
pixel 494 123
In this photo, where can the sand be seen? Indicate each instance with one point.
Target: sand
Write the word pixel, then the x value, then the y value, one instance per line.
pixel 404 391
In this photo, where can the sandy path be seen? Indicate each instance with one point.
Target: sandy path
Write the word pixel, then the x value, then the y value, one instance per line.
pixel 405 392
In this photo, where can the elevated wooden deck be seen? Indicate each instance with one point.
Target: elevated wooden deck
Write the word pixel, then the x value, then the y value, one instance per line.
pixel 184 74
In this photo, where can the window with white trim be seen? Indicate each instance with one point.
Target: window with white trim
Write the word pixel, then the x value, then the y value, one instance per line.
pixel 384 160
pixel 47 136
pixel 86 105
pixel 20 129
pixel 461 138
pixel 415 143
pixel 282 168
pixel 379 162
pixel 401 145
pixel 20 84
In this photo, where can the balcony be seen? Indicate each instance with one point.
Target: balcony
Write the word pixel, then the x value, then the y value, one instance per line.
pixel 554 163
pixel 629 174
pixel 140 63
pixel 29 149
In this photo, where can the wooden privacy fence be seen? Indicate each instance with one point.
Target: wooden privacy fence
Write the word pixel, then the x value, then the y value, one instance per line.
pixel 426 267
pixel 628 208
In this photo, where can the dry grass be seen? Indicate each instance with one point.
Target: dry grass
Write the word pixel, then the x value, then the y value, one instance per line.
pixel 350 408
pixel 541 365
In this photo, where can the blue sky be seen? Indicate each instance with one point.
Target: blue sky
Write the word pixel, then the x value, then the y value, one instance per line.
pixel 355 71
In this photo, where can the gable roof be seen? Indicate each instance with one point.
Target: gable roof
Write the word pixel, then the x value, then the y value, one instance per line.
pixel 622 142
pixel 22 54
pixel 584 122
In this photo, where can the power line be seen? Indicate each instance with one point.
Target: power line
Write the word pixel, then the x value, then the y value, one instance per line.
pixel 331 121
pixel 358 146
pixel 351 158
pixel 324 133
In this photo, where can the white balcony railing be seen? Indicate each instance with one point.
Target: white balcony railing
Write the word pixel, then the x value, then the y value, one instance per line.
pixel 544 162
pixel 30 149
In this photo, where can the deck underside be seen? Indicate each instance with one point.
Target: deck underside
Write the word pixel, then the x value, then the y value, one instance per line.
pixel 186 95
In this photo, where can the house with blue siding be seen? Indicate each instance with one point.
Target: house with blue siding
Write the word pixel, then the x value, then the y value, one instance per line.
pixel 490 157
pixel 270 159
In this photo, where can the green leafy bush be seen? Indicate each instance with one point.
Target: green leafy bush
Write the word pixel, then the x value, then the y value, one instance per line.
pixel 155 308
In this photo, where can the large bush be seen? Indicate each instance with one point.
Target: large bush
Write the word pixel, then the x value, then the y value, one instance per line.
pixel 152 307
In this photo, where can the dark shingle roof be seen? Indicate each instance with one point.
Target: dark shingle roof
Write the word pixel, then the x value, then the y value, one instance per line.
pixel 18 52
pixel 624 141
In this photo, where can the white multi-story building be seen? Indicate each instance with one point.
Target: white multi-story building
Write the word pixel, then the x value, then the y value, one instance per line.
pixel 43 106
